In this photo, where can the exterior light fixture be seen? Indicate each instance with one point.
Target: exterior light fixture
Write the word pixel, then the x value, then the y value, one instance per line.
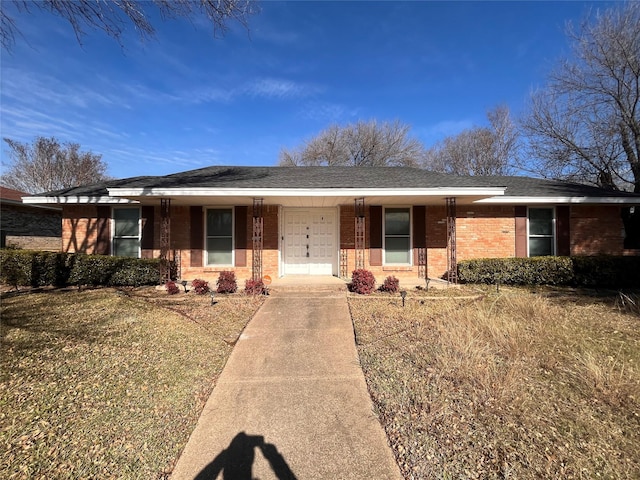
pixel 403 294
pixel 213 296
pixel 184 285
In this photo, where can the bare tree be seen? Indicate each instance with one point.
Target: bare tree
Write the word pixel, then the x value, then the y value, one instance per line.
pixel 361 144
pixel 113 17
pixel 47 165
pixel 479 150
pixel 585 124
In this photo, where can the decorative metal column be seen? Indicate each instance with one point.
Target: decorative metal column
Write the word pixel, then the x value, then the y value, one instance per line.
pixel 165 239
pixel 422 263
pixel 452 263
pixel 258 235
pixel 344 263
pixel 359 232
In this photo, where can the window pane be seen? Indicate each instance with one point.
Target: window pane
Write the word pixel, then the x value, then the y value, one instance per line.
pixel 126 222
pixel 396 221
pixel 540 221
pixel 539 246
pixel 219 251
pixel 396 250
pixel 219 223
pixel 126 247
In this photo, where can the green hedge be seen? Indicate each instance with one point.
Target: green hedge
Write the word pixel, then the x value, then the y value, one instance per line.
pixel 601 271
pixel 37 269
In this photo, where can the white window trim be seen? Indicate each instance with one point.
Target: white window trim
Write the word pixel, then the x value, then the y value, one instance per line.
pixel 384 237
pixel 554 244
pixel 233 237
pixel 113 229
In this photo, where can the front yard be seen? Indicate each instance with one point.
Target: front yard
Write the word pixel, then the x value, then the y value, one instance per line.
pixel 510 385
pixel 107 383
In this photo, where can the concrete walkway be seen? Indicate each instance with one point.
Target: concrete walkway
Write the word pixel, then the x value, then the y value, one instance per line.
pixel 291 402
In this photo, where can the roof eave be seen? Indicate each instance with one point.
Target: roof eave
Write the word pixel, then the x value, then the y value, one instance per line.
pixel 528 200
pixel 76 200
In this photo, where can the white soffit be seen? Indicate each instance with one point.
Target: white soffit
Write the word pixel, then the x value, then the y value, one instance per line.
pixel 77 200
pixel 511 200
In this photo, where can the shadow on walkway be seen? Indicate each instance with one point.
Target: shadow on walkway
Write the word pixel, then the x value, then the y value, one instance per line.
pixel 236 461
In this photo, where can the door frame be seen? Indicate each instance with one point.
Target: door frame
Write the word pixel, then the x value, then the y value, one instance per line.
pixel 282 227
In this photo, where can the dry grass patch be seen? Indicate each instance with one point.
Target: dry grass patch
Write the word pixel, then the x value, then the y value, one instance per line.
pixel 106 383
pixel 517 385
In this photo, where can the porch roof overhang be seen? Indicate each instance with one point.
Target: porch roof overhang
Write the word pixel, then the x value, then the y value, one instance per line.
pixel 305 197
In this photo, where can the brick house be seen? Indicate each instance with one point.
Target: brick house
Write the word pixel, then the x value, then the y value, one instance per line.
pixel 36 227
pixel 400 221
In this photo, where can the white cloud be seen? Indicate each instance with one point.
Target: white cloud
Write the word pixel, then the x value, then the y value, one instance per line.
pixel 268 88
pixel 327 112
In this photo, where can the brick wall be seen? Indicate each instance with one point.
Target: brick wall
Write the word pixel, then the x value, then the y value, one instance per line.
pixel 30 227
pixel 269 254
pixel 481 231
pixel 79 228
pixel 47 244
pixel 596 230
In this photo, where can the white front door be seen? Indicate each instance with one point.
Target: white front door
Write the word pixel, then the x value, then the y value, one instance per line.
pixel 309 241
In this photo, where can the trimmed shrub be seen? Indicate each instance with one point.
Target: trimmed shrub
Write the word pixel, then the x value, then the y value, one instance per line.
pixel 391 285
pixel 201 287
pixel 114 271
pixel 362 282
pixel 35 268
pixel 227 282
pixel 135 272
pixel 607 271
pixel 38 269
pixel 15 267
pixel 517 271
pixel 171 287
pixel 254 287
pixel 602 271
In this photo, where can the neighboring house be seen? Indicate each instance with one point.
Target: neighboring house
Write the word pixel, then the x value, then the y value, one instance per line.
pixel 329 220
pixel 28 226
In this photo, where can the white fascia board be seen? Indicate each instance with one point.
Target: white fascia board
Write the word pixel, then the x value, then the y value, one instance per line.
pixel 303 192
pixel 562 200
pixel 77 200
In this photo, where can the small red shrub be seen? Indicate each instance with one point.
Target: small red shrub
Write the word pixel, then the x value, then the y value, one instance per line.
pixel 227 282
pixel 391 284
pixel 171 287
pixel 201 287
pixel 362 282
pixel 254 287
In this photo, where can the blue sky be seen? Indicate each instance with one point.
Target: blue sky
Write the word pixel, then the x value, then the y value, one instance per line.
pixel 185 99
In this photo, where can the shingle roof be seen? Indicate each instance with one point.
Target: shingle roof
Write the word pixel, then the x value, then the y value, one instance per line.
pixel 339 177
pixel 11 194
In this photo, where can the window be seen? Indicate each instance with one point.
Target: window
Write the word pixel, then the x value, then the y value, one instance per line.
pixel 541 232
pixel 220 236
pixel 397 236
pixel 126 232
